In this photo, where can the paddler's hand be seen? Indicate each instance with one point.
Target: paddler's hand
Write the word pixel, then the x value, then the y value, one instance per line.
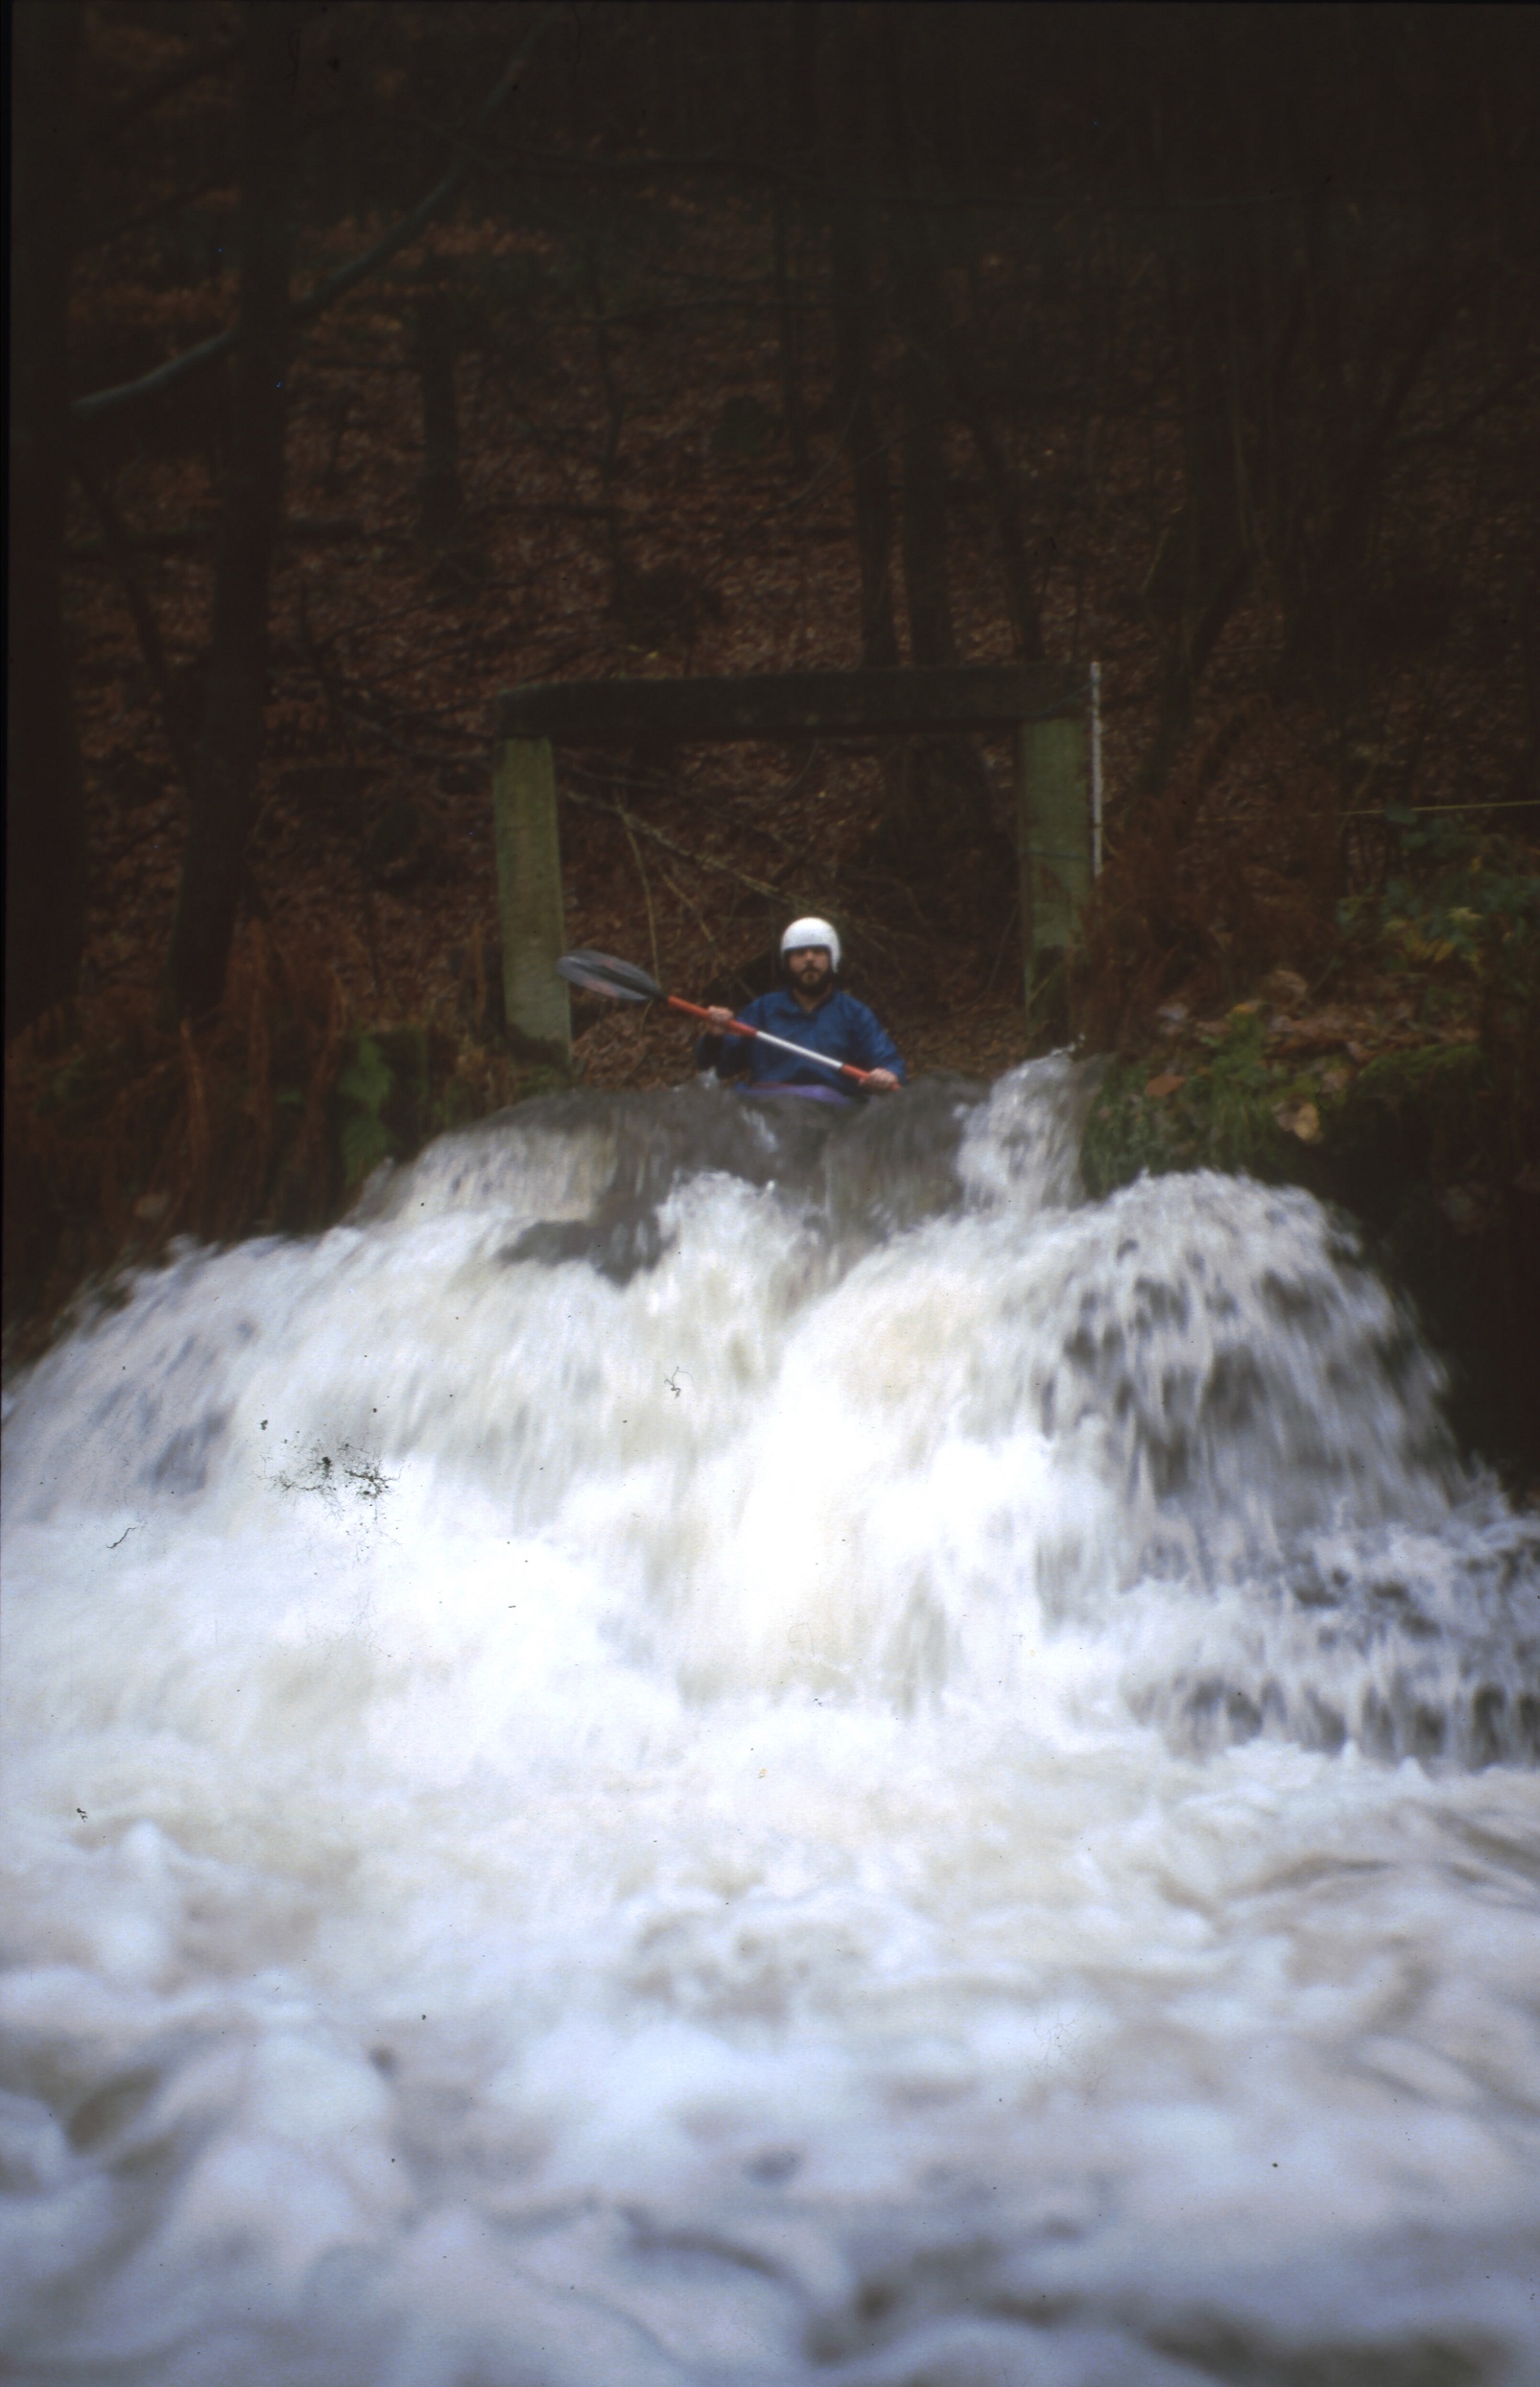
pixel 720 1019
pixel 882 1081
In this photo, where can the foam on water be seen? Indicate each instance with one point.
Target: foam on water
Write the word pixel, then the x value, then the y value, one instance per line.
pixel 722 1746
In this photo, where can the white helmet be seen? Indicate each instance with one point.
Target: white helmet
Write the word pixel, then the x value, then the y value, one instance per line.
pixel 812 932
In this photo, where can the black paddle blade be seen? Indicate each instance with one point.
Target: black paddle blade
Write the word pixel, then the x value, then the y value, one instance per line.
pixel 602 975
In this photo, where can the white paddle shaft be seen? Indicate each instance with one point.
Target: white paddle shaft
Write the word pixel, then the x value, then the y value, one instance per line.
pixel 741 1027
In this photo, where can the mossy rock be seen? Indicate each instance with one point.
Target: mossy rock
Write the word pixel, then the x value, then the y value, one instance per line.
pixel 1221 1115
pixel 1409 1116
pixel 381 1105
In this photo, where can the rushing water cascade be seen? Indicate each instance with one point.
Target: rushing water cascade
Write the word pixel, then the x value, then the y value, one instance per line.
pixel 719 1745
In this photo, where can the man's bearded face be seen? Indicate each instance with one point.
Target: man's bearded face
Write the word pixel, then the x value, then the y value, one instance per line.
pixel 810 967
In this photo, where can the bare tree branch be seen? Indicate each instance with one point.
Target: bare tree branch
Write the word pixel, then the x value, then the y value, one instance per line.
pixel 634 826
pixel 150 385
pixel 325 293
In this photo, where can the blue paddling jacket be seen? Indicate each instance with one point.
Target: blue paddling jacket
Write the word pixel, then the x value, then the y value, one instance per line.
pixel 841 1026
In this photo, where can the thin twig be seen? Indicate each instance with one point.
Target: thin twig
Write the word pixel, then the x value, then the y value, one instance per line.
pixel 436 756
pixel 646 892
pixel 1515 803
pixel 703 861
pixel 694 912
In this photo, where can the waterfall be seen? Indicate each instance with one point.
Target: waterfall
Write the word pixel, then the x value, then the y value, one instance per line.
pixel 720 1742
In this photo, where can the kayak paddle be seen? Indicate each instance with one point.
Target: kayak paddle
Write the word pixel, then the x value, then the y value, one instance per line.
pixel 602 975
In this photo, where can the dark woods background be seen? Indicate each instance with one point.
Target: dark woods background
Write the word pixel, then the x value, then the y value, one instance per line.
pixel 635 338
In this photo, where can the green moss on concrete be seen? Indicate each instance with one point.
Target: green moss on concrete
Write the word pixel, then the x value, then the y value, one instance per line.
pixel 1222 1115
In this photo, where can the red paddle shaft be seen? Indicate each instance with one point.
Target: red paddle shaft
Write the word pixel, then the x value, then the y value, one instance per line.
pixel 741 1027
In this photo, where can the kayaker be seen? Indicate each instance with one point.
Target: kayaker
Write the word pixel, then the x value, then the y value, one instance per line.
pixel 811 1009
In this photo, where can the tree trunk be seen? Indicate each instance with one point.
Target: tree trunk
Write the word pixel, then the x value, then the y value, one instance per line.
pixel 931 636
pixel 621 577
pixel 790 59
pixel 844 146
pixel 1240 336
pixel 794 409
pixel 45 815
pixel 222 799
pixel 940 828
pixel 1199 548
pixel 940 347
pixel 943 815
pixel 857 414
pixel 119 549
pixel 441 508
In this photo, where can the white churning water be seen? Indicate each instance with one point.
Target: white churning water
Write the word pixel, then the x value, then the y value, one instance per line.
pixel 713 1746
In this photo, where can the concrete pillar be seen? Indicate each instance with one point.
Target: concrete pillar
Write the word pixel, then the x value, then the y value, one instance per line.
pixel 528 899
pixel 1054 841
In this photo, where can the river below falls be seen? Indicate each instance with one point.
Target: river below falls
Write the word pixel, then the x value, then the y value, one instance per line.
pixel 717 1747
